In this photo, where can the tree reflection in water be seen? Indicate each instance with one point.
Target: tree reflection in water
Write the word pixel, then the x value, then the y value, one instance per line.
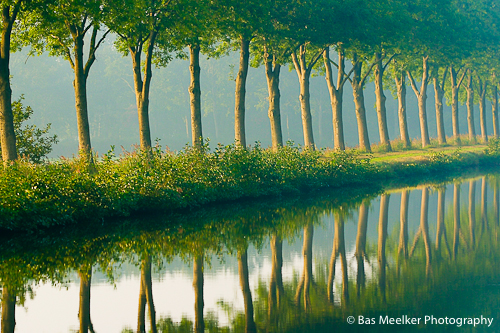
pixel 391 277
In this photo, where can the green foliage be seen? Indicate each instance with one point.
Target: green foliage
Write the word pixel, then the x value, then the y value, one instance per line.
pixel 33 143
pixel 493 148
pixel 67 191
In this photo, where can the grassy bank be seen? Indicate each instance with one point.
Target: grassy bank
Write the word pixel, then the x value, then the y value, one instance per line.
pixel 34 196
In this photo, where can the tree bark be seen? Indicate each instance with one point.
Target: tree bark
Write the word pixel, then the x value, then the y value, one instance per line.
pixel 241 79
pixel 272 68
pixel 470 108
pixel 359 102
pixel 403 124
pixel 303 70
pixel 494 112
pixel 455 86
pixel 247 294
pixel 7 134
pixel 141 87
pixel 336 96
pixel 8 310
pixel 380 103
pixel 438 97
pixel 422 99
pixel 482 87
pixel 195 95
pixel 80 86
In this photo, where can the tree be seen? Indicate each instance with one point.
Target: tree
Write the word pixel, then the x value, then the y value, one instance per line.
pixel 240 22
pixel 141 26
pixel 10 12
pixel 62 28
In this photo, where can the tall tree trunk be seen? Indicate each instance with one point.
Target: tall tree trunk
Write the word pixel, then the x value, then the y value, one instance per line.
pixel 8 310
pixel 380 103
pixel 482 108
pixel 273 86
pixel 80 86
pixel 422 100
pixel 470 108
pixel 7 135
pixel 382 238
pixel 195 95
pixel 438 97
pixel 494 112
pixel 241 81
pixel 336 96
pixel 403 124
pixel 142 86
pixel 199 323
pixel 303 70
pixel 455 86
pixel 84 312
pixel 360 253
pixel 359 102
pixel 247 294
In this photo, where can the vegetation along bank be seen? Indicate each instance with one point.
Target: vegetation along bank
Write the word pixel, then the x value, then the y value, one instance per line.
pixel 67 191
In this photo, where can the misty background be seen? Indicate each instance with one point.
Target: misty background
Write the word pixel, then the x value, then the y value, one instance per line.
pixel 46 83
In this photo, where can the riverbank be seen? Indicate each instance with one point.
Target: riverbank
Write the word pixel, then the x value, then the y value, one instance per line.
pixel 64 192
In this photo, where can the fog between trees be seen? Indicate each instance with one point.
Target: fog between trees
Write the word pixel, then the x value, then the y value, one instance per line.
pixel 46 83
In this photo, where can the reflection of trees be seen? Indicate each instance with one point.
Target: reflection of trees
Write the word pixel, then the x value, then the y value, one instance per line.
pixel 403 226
pixel 146 296
pixel 270 307
pixel 245 288
pixel 338 250
pixel 85 275
pixel 199 324
pixel 456 219
pixel 276 290
pixel 484 204
pixel 441 226
pixel 8 309
pixel 361 246
pixel 382 237
pixel 307 277
pixel 472 212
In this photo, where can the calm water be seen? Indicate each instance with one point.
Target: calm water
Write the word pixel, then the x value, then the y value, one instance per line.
pixel 425 258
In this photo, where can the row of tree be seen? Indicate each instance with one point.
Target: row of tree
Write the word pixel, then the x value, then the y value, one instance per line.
pixel 430 39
